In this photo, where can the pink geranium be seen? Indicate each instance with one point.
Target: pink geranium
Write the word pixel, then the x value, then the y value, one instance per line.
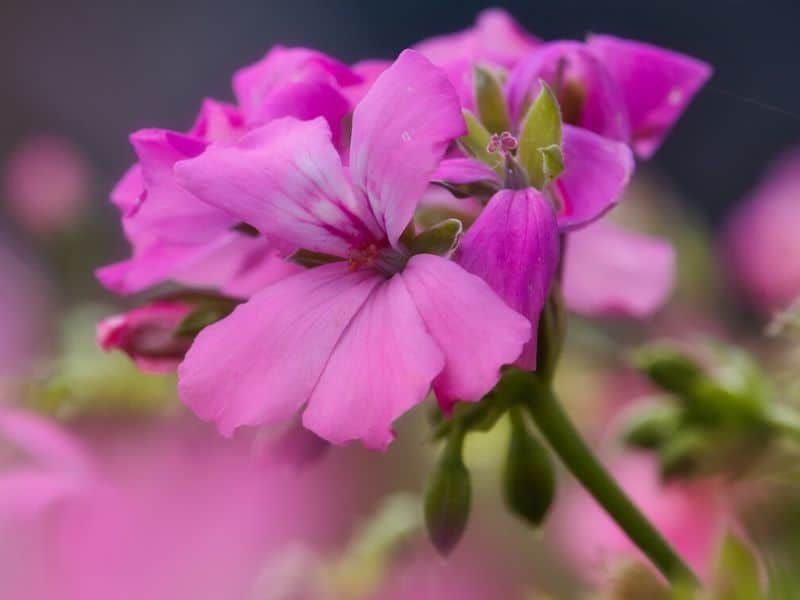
pixel 360 340
pixel 176 236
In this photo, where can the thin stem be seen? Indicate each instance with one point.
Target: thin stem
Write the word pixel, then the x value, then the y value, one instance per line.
pixel 567 443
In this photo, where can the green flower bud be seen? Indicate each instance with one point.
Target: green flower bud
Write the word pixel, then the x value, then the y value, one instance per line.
pixel 448 497
pixel 529 480
pixel 669 369
pixel 684 454
pixel 652 427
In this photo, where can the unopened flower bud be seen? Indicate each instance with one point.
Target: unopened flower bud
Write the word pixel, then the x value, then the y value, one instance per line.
pixel 448 497
pixel 529 480
pixel 670 369
pixel 652 427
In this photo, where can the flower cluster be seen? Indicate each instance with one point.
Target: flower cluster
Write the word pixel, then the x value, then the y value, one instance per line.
pixel 365 234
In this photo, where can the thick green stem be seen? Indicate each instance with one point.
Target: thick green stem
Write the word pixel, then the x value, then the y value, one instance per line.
pixel 567 443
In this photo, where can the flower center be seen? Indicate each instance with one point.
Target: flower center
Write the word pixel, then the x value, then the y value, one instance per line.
pixel 384 260
pixel 502 143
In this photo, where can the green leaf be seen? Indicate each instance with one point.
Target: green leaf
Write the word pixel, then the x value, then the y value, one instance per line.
pixel 491 102
pixel 541 129
pixel 441 239
pixel 669 368
pixel 448 496
pixel 737 572
pixel 529 480
pixel 476 141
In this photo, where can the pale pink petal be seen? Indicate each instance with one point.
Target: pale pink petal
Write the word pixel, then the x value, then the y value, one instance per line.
pixel 260 364
pixel 514 247
pixel 383 365
pixel 657 85
pixel 41 440
pixel 596 173
pixel 609 271
pixel 463 170
pixel 285 179
pixel 401 131
pixel 295 82
pixel 589 97
pixel 475 329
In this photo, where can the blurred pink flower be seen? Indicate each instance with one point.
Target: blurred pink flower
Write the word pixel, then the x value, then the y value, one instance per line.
pixel 374 320
pixel 760 244
pixel 691 516
pixel 173 511
pixel 25 311
pixel 46 183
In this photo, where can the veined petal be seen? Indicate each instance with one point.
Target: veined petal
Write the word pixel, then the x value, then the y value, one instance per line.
pixel 585 90
pixel 477 332
pixel 401 131
pixel 260 364
pixel 596 172
pixel 609 271
pixel 657 85
pixel 514 247
pixel 382 366
pixel 285 179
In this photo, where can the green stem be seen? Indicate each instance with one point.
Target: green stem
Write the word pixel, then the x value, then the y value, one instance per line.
pixel 567 443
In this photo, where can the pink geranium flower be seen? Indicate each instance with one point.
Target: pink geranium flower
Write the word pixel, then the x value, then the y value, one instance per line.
pixel 360 340
pixel 176 236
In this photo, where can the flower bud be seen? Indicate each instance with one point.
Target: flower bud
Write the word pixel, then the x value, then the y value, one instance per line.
pixel 684 454
pixel 529 477
pixel 652 427
pixel 147 335
pixel 448 497
pixel 669 369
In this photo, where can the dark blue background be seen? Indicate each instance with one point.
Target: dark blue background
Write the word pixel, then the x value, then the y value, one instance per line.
pixel 97 69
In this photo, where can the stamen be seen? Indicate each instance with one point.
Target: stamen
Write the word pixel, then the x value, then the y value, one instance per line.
pixel 503 143
pixel 359 258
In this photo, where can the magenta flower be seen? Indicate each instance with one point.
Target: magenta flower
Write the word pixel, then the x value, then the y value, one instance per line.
pixel 175 235
pixel 759 242
pixel 360 340
pixel 610 271
pixel 147 335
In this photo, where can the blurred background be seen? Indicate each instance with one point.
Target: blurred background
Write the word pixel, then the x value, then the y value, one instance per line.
pixel 77 77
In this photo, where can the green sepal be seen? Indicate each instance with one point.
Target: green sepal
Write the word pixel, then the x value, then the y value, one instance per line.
pixel 540 130
pixel 529 480
pixel 490 101
pixel 441 239
pixel 476 141
pixel 206 312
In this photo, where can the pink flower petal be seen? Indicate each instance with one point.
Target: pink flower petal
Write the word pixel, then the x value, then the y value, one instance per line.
pixel 596 172
pixel 657 85
pixel 260 364
pixel 594 103
pixel 401 131
pixel 514 247
pixel 287 180
pixel 475 329
pixel 217 121
pixel 609 271
pixel 294 82
pixel 382 366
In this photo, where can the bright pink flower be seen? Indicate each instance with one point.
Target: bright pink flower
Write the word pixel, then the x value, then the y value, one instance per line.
pixel 175 235
pixel 690 515
pixel 760 243
pixel 610 271
pixel 621 89
pixel 46 183
pixel 147 335
pixel 361 340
